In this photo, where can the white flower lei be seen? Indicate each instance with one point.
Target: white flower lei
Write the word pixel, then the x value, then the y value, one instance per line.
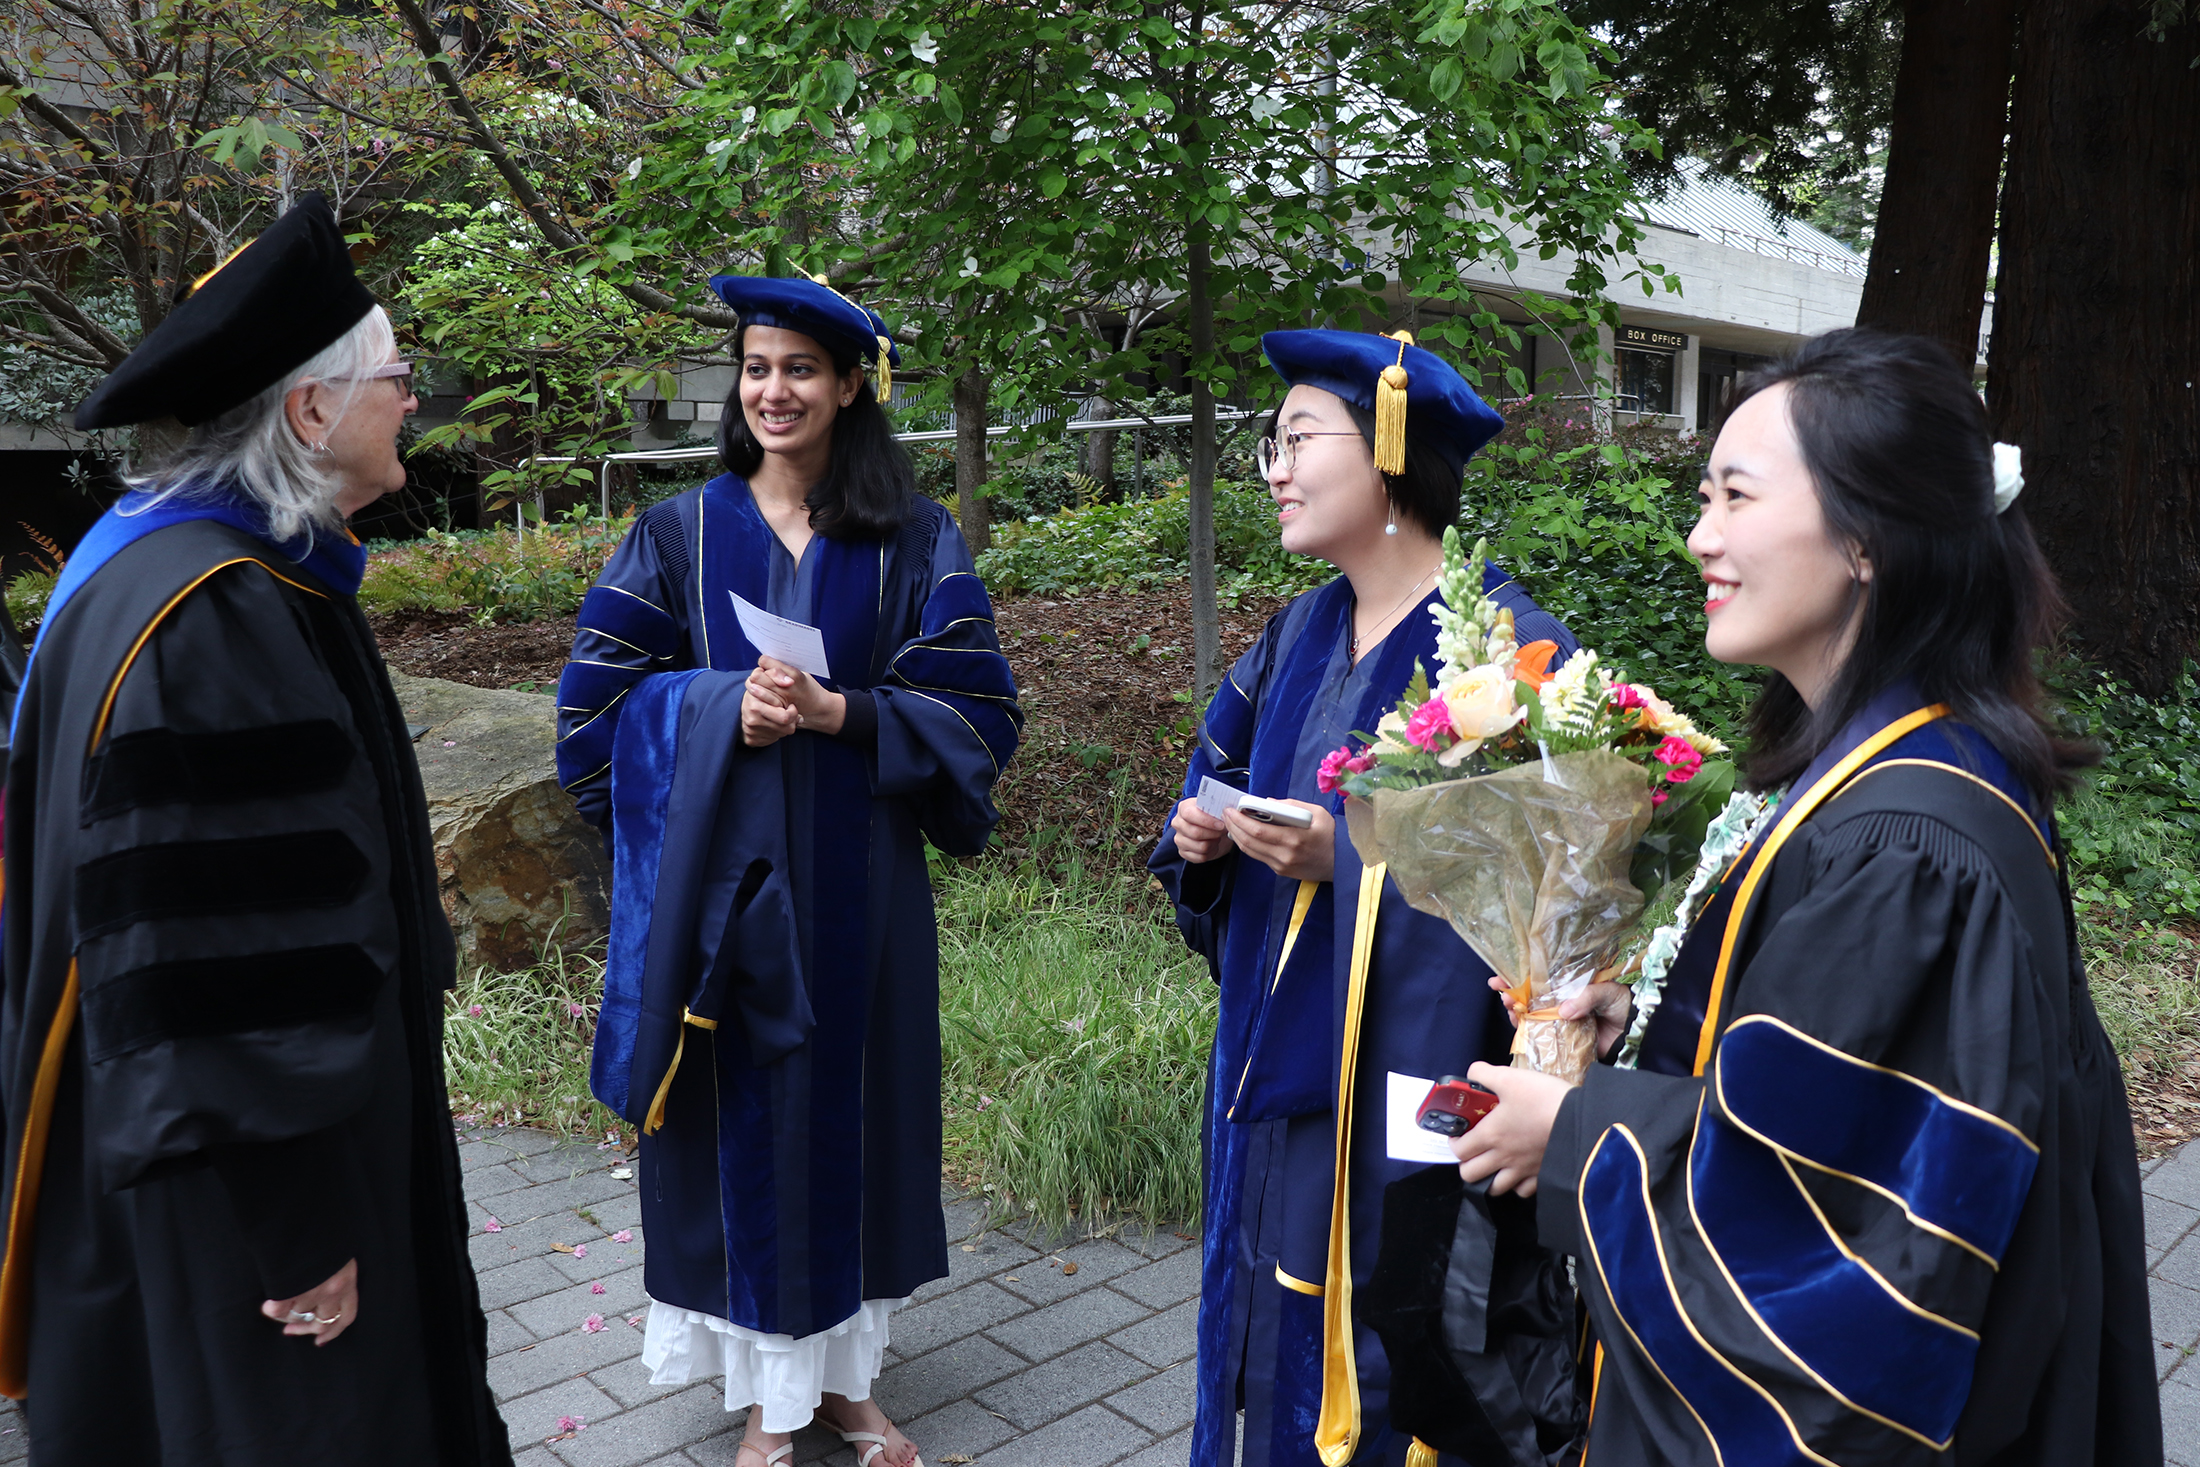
pixel 1732 831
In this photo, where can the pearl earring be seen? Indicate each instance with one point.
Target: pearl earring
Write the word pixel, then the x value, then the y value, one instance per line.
pixel 1392 527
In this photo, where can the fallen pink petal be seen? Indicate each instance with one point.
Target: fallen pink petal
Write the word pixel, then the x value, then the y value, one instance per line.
pixel 473 1010
pixel 572 1423
pixel 592 1325
pixel 574 1010
pixel 492 1226
pixel 580 1250
pixel 622 1236
pixel 596 1287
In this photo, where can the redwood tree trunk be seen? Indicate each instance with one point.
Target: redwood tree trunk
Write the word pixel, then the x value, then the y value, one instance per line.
pixel 2095 371
pixel 970 426
pixel 1935 237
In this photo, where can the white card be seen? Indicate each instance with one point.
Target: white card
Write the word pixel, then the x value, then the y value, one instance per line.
pixel 795 643
pixel 1402 1133
pixel 1216 798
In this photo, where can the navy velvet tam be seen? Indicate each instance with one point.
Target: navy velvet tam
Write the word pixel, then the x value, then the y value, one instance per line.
pixel 256 318
pixel 1433 406
pixel 816 310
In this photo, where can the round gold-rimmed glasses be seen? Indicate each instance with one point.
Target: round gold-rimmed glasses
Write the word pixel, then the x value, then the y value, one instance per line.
pixel 1269 453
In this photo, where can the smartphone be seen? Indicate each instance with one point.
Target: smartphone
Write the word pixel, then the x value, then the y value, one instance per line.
pixel 1454 1104
pixel 1275 812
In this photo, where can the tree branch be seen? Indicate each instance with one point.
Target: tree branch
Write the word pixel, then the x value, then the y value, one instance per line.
pixel 523 190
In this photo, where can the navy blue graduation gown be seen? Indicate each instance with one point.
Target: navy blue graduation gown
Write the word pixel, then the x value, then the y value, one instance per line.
pixel 771 1008
pixel 1282 952
pixel 1872 1196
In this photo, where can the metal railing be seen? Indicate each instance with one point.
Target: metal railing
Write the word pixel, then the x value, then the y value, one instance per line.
pixel 1780 249
pixel 934 435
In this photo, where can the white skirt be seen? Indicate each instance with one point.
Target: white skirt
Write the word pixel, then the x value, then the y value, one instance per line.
pixel 783 1376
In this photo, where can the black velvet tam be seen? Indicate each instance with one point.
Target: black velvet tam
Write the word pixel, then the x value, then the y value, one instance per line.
pixel 267 312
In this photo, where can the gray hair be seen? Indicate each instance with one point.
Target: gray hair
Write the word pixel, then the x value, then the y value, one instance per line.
pixel 252 450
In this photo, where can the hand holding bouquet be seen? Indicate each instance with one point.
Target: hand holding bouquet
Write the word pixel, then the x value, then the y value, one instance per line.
pixel 1536 810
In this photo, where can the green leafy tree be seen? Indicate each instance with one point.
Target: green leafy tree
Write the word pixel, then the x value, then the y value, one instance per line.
pixel 1018 180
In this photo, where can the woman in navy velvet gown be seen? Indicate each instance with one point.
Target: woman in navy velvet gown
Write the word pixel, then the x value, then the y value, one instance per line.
pixel 1305 1035
pixel 771 1006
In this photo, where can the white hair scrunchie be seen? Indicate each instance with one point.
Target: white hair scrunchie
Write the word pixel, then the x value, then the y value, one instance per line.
pixel 2008 475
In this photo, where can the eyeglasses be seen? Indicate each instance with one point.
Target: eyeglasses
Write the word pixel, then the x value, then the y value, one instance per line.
pixel 1270 453
pixel 401 371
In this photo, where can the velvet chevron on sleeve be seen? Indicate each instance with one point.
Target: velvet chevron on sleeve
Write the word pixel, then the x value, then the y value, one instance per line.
pixel 948 720
pixel 626 631
pixel 1895 1218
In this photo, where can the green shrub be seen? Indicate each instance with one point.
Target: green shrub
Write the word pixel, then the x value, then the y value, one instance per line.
pixel 27 595
pixel 1074 1028
pixel 1139 545
pixel 499 575
pixel 2134 833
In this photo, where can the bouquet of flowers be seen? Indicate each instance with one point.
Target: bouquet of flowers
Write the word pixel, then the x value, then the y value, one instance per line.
pixel 1537 810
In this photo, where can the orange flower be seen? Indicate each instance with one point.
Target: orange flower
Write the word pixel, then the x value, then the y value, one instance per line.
pixel 1532 664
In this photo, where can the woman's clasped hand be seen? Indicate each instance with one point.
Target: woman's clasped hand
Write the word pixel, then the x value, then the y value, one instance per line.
pixel 780 699
pixel 1294 854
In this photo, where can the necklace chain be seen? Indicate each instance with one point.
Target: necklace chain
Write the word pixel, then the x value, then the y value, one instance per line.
pixel 1402 600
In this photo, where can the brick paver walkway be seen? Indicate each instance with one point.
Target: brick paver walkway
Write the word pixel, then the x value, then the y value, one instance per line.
pixel 1076 1357
pixel 1010 1361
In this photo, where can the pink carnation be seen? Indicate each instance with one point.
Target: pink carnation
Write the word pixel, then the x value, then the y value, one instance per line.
pixel 1681 758
pixel 1360 763
pixel 1428 721
pixel 1627 695
pixel 1333 763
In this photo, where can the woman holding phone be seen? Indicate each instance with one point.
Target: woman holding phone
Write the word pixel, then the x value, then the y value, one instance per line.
pixel 1871 1195
pixel 1292 928
pixel 771 1003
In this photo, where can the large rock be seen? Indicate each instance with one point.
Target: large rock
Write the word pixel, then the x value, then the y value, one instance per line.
pixel 519 866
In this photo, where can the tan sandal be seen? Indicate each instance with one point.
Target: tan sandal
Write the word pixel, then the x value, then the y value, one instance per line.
pixel 772 1458
pixel 876 1446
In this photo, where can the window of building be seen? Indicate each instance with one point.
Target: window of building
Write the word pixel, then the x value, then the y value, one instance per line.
pixel 1645 382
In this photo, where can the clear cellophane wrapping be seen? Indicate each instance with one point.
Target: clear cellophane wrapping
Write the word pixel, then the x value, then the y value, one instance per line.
pixel 1530 866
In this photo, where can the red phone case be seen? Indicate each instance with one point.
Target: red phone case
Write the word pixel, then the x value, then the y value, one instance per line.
pixel 1453 1105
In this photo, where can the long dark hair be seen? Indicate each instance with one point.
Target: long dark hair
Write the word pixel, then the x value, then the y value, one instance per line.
pixel 1960 598
pixel 1427 493
pixel 869 483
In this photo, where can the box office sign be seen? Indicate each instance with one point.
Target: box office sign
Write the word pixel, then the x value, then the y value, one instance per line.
pixel 1642 338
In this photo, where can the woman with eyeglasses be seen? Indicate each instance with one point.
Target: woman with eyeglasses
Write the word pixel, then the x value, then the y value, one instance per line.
pixel 235 1228
pixel 1329 981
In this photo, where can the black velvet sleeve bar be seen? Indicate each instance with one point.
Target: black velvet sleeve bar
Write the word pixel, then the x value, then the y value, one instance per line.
pixel 297 1202
pixel 859 725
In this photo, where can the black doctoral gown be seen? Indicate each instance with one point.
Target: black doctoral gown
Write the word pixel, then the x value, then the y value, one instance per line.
pixel 1883 1206
pixel 221 1041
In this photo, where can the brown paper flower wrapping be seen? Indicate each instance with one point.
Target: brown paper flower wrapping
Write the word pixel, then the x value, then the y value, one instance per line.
pixel 1532 871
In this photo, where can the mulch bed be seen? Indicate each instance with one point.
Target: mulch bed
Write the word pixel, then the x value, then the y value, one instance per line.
pixel 1106 736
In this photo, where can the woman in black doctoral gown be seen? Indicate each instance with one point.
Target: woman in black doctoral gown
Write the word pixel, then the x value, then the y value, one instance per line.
pixel 1871 1196
pixel 235 1232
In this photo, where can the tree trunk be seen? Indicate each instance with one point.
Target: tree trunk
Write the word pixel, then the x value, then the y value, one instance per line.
pixel 1206 615
pixel 1100 454
pixel 1931 250
pixel 2096 348
pixel 970 425
pixel 1199 309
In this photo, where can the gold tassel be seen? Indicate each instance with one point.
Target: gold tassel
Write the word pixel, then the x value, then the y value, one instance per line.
pixel 885 371
pixel 1390 411
pixel 1420 1454
pixel 655 1120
